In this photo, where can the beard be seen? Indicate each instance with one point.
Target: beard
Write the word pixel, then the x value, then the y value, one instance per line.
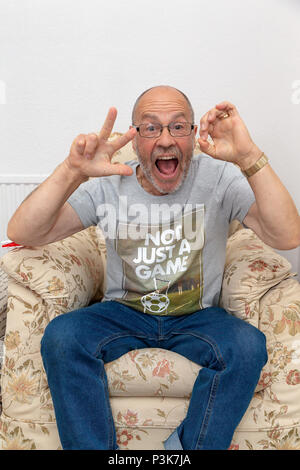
pixel 146 167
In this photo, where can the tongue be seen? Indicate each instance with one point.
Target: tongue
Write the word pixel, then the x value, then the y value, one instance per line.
pixel 167 167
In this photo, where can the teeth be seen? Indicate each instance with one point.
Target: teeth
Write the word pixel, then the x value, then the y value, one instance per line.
pixel 166 158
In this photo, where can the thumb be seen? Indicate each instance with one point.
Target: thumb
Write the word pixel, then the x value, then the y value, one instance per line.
pixel 207 147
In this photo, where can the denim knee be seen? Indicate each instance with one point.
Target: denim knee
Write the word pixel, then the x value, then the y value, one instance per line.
pixel 56 339
pixel 252 347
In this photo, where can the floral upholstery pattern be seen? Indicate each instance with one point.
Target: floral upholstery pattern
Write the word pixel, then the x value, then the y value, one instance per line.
pixel 262 269
pixel 149 388
pixel 3 302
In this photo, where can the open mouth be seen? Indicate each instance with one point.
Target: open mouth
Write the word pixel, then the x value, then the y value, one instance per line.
pixel 167 166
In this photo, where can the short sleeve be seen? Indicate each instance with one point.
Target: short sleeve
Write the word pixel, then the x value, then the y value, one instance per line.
pixel 237 194
pixel 85 200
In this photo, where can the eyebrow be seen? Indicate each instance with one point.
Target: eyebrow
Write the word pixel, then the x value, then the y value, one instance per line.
pixel 154 116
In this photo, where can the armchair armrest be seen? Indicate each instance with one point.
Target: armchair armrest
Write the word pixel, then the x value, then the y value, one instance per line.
pixel 44 282
pixel 252 268
pixel 68 274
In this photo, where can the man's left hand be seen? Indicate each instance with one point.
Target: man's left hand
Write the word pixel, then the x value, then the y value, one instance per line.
pixel 231 140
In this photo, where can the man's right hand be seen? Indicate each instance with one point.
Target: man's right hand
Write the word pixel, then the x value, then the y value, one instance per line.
pixel 90 154
pixel 45 216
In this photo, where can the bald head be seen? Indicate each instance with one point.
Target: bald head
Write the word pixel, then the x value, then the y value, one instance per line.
pixel 160 89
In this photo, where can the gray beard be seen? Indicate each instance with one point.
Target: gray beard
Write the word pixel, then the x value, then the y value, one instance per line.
pixel 149 177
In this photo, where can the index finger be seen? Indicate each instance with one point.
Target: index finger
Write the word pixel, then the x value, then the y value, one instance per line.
pixel 123 139
pixel 108 124
pixel 226 106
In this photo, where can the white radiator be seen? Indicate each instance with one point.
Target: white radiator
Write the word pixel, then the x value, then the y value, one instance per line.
pixel 13 190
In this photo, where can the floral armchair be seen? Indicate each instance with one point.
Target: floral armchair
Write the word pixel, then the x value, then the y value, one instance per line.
pixel 149 388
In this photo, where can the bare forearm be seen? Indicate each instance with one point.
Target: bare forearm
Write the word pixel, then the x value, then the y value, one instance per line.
pixel 276 212
pixel 38 212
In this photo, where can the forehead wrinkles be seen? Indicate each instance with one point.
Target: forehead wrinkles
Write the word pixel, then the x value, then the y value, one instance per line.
pixel 162 113
pixel 162 106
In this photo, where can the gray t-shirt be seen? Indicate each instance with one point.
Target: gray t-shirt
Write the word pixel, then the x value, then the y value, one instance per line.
pixel 166 254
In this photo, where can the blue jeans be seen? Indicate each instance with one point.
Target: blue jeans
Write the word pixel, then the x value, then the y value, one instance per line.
pixel 76 346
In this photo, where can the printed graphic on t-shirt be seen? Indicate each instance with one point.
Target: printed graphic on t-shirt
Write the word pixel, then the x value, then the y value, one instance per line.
pixel 162 265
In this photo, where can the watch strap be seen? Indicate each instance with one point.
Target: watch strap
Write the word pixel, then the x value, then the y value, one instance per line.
pixel 258 165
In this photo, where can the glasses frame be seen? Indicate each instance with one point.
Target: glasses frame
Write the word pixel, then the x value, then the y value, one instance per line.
pixel 137 127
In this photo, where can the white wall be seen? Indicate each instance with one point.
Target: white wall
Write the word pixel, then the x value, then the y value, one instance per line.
pixel 63 63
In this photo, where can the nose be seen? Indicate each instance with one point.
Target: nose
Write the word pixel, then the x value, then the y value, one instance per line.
pixel 165 139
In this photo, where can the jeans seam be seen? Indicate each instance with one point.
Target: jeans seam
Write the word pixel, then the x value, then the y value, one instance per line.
pixel 207 340
pixel 111 422
pixel 117 336
pixel 208 411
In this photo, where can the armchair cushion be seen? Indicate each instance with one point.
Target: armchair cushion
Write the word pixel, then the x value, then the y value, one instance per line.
pixel 151 372
pixel 251 269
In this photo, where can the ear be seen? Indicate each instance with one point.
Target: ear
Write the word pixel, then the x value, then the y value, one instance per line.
pixel 195 135
pixel 133 142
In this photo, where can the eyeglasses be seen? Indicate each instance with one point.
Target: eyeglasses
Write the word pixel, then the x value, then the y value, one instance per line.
pixel 176 129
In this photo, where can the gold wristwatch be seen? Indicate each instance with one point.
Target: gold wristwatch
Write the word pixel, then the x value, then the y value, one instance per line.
pixel 260 163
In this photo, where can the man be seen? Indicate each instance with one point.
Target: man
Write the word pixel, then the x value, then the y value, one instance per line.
pixel 164 272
